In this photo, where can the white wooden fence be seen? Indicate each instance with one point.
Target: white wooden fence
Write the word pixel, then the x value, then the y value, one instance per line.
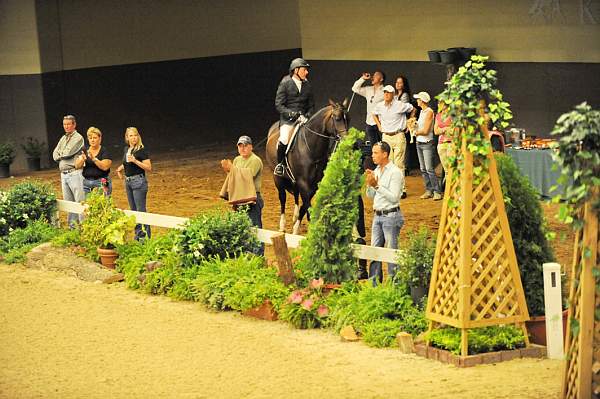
pixel 293 240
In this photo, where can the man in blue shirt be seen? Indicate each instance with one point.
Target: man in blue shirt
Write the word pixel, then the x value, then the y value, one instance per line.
pixel 384 185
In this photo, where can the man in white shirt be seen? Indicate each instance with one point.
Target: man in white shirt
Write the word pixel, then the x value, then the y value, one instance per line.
pixel 384 185
pixel 374 95
pixel 390 117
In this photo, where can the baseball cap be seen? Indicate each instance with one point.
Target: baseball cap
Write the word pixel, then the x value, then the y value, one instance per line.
pixel 389 89
pixel 423 96
pixel 244 140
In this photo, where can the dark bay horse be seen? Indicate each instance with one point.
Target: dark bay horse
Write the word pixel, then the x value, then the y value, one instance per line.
pixel 307 158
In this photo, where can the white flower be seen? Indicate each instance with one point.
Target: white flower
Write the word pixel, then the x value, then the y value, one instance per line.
pixel 197 253
pixel 25 216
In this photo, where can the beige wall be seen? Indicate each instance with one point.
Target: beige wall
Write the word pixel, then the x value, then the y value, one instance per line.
pixel 404 30
pixel 113 32
pixel 18 38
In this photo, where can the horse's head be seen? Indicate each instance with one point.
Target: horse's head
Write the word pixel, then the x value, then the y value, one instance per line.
pixel 340 120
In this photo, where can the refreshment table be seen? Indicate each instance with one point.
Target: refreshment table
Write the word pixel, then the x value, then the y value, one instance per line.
pixel 537 165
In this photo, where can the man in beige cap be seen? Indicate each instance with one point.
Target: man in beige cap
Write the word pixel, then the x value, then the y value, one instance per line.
pixel 390 117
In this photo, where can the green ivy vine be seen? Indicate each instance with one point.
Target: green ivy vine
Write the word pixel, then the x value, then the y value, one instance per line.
pixel 472 98
pixel 578 154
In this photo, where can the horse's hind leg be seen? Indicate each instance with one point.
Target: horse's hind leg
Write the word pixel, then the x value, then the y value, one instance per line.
pixel 282 199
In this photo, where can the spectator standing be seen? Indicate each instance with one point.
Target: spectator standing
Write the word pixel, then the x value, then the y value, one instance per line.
pixel 384 185
pixel 373 94
pixel 247 159
pixel 136 162
pixel 403 94
pixel 68 148
pixel 95 164
pixel 425 147
pixel 390 117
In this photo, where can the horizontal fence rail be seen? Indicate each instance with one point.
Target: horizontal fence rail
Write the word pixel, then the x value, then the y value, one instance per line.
pixel 293 240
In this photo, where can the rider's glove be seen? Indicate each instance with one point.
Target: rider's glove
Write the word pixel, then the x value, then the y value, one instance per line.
pixel 302 119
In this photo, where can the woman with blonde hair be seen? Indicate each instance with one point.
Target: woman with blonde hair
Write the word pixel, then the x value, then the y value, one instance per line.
pixel 136 162
pixel 95 163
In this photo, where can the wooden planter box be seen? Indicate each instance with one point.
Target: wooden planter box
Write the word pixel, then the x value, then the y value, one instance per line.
pixel 445 356
pixel 263 312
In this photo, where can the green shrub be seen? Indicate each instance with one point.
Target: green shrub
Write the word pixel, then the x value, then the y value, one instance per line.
pixel 415 261
pixel 481 340
pixel 33 147
pixel 381 333
pixel 528 230
pixel 326 252
pixel 7 153
pixel 134 255
pixel 238 283
pixel 68 237
pixel 216 234
pixel 25 201
pixel 15 245
pixel 360 306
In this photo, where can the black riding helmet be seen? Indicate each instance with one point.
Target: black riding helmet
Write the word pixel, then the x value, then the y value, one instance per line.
pixel 298 63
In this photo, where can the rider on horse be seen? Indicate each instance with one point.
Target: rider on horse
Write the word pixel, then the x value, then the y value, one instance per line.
pixel 295 103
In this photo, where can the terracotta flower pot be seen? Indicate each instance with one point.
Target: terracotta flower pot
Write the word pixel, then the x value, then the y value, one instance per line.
pixel 107 257
pixel 537 328
pixel 266 311
pixel 327 288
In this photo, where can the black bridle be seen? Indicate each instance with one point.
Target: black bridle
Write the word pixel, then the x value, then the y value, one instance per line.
pixel 338 133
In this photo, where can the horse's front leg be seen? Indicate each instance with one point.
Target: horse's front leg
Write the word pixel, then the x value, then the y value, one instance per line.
pixel 306 194
pixel 282 199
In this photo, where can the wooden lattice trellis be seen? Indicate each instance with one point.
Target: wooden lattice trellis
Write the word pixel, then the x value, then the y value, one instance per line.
pixel 475 280
pixel 581 371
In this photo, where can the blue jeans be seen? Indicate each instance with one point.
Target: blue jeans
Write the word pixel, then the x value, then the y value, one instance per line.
pixel 254 212
pixel 90 184
pixel 425 151
pixel 385 230
pixel 72 189
pixel 136 188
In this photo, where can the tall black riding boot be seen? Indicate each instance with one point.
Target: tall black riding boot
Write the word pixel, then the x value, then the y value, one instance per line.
pixel 279 169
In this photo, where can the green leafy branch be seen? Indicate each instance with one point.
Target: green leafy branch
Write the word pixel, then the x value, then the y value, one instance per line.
pixel 472 99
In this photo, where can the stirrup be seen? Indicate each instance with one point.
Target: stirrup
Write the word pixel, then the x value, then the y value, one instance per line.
pixel 279 170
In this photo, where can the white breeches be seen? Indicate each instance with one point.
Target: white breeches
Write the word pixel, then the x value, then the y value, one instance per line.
pixel 285 132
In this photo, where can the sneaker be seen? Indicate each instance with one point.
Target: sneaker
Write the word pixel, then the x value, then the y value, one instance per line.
pixel 437 196
pixel 404 195
pixel 279 170
pixel 426 195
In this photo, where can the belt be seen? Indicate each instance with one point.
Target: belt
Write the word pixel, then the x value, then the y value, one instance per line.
pixel 386 211
pixel 392 133
pixel 424 142
pixel 66 172
pixel 127 178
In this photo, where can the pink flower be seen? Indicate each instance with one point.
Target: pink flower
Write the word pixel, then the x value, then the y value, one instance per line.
pixel 307 304
pixel 296 297
pixel 322 311
pixel 314 284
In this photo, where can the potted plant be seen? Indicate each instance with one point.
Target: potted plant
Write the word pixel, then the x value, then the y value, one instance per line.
pixel 7 155
pixel 415 262
pixel 105 227
pixel 33 149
